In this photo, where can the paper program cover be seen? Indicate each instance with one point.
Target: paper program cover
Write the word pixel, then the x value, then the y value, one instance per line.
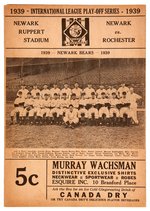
pixel 75 105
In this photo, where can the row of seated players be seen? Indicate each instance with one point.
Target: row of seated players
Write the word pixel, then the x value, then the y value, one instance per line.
pixel 76 90
pixel 98 111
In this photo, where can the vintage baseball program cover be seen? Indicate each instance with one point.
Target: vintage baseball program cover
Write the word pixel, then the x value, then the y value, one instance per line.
pixel 75 105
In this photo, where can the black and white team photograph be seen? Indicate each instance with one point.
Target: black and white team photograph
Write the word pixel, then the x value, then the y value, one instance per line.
pixel 75 103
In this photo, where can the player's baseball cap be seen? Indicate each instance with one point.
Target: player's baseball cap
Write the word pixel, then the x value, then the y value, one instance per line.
pixel 103 93
pixel 64 94
pixel 55 94
pixel 93 93
pixel 45 94
pixel 29 93
pixel 73 94
pixel 70 105
pixel 114 93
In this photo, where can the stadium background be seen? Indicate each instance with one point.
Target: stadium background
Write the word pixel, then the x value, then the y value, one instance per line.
pixel 97 71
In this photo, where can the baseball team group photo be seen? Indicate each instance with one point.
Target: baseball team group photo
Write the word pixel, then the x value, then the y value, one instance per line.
pixel 75 102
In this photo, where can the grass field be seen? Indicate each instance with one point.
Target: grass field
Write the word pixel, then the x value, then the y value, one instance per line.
pixel 51 136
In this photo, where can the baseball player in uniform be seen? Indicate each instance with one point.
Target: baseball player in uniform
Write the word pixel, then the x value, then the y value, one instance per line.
pixel 100 90
pixel 77 90
pixel 71 117
pixel 66 90
pixel 125 114
pixel 104 109
pixel 44 91
pixel 64 105
pixel 74 101
pixel 45 108
pixel 23 90
pixel 18 108
pixel 134 98
pixel 111 90
pixel 54 90
pixel 114 111
pixel 123 88
pixel 35 113
pixel 55 109
pixel 34 91
pixel 88 91
pixel 92 111
pixel 82 112
pixel 28 105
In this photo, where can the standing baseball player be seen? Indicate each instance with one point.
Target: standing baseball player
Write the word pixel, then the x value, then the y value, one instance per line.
pixel 100 90
pixel 77 90
pixel 44 91
pixel 123 88
pixel 74 101
pixel 23 90
pixel 134 98
pixel 53 90
pixel 111 90
pixel 35 90
pixel 104 109
pixel 45 109
pixel 28 105
pixel 64 105
pixel 66 90
pixel 83 113
pixel 114 111
pixel 88 91
pixel 92 109
pixel 125 113
pixel 55 109
pixel 35 112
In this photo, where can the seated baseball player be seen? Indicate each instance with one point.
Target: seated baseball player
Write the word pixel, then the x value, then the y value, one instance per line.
pixel 125 114
pixel 83 113
pixel 28 105
pixel 35 112
pixel 55 109
pixel 71 117
pixel 45 109
pixel 18 108
pixel 104 109
pixel 92 110
pixel 114 110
